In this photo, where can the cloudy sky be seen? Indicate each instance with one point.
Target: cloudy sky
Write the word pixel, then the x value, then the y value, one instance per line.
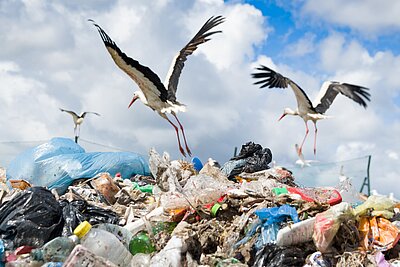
pixel 52 57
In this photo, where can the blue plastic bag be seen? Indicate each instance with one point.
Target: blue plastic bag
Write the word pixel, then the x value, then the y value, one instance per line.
pixel 268 235
pixel 59 162
pixel 277 214
pixel 269 221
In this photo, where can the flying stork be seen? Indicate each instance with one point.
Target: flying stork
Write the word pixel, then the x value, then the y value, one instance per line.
pixel 153 93
pixel 302 162
pixel 305 109
pixel 78 119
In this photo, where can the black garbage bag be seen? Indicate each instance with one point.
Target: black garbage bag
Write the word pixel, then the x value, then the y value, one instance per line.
pixel 274 256
pixel 248 150
pixel 31 218
pixel 252 158
pixel 77 211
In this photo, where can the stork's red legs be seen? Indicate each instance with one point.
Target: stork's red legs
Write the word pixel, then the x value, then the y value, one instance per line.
pixel 183 133
pixel 177 135
pixel 304 139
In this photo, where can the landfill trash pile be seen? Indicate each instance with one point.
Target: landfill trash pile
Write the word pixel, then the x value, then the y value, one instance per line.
pixel 165 212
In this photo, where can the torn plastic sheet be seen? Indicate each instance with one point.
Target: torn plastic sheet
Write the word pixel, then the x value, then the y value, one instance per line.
pixel 57 163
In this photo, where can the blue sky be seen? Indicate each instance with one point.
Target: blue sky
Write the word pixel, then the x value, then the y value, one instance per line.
pixel 51 57
pixel 282 18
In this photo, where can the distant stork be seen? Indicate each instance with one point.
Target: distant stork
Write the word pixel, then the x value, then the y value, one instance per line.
pixel 153 93
pixel 301 161
pixel 78 119
pixel 305 109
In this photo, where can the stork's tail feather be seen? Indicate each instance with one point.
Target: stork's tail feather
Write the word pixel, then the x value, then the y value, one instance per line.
pixel 174 107
pixel 318 116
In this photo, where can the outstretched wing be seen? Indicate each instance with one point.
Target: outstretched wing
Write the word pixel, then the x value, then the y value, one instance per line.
pixel 75 116
pixel 330 90
pixel 271 79
pixel 87 112
pixel 147 80
pixel 179 61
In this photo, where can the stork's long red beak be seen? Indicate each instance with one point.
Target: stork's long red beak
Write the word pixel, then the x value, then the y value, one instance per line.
pixel 281 117
pixel 133 100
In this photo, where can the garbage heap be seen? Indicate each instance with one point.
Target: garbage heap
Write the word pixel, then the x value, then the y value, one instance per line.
pixel 245 213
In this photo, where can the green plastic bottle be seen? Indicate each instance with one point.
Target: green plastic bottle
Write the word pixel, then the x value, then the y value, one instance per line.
pixel 141 243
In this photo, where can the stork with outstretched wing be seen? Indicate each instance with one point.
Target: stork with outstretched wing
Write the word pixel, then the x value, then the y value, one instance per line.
pixel 153 93
pixel 78 120
pixel 305 109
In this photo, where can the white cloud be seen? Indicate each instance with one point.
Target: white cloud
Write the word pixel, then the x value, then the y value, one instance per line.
pixel 338 54
pixel 392 155
pixel 303 46
pixel 353 150
pixel 24 103
pixel 239 18
pixel 366 16
pixel 9 66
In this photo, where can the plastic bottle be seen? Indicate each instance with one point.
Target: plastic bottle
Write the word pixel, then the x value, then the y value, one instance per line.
pixel 123 235
pixel 141 243
pixel 56 250
pixel 103 243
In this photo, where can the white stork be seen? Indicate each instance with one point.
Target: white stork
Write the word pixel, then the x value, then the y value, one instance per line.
pixel 305 109
pixel 153 93
pixel 78 119
pixel 302 162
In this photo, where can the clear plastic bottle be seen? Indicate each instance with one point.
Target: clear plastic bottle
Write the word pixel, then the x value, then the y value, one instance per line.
pixel 103 243
pixel 56 250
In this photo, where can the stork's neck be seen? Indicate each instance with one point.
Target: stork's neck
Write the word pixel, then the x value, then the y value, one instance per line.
pixel 290 111
pixel 141 97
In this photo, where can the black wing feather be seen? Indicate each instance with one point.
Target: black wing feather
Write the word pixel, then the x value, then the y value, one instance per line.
pixel 358 94
pixel 87 112
pixel 272 79
pixel 179 61
pixel 147 72
pixel 72 113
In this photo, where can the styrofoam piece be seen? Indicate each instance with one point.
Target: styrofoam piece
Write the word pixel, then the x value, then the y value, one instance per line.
pixel 136 226
pixel 297 233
